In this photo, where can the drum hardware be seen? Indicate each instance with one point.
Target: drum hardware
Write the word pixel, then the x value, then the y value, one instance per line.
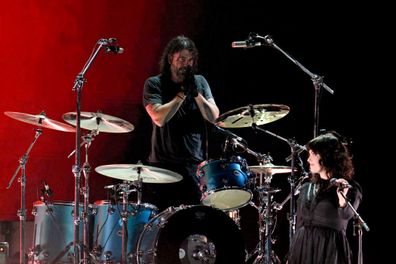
pixel 134 175
pixel 300 181
pixel 263 252
pixel 39 120
pixel 292 177
pixel 84 190
pixel 125 191
pixel 79 82
pixel 107 235
pixel 96 122
pixel 234 215
pixel 22 211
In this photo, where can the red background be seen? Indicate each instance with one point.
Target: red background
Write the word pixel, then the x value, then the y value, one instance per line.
pixel 44 45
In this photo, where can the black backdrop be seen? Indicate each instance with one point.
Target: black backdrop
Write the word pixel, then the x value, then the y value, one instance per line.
pixel 345 46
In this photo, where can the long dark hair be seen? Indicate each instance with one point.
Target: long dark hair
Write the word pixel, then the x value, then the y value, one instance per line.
pixel 335 156
pixel 175 45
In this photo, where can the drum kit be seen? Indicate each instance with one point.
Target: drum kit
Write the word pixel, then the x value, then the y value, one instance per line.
pixel 116 230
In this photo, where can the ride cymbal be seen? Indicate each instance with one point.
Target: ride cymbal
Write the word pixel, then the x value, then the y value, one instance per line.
pixel 40 120
pixel 258 114
pixel 132 172
pixel 99 121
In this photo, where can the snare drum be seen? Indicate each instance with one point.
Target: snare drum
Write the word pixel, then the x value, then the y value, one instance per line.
pixel 107 230
pixel 223 183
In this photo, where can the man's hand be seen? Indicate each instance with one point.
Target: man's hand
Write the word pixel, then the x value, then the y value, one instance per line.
pixel 189 85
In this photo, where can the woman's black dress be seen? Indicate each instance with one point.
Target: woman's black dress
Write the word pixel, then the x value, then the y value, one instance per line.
pixel 321 225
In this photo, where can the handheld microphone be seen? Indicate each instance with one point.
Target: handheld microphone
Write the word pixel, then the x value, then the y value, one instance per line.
pixel 333 182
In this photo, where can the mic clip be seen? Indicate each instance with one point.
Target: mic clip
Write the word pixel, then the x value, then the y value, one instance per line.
pixel 254 38
pixel 111 45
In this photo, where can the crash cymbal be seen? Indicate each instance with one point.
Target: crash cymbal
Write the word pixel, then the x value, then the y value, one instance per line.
pixel 99 121
pixel 259 114
pixel 130 172
pixel 40 120
pixel 270 168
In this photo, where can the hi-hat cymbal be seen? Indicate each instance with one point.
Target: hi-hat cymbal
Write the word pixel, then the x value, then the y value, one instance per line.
pixel 259 114
pixel 270 168
pixel 131 172
pixel 99 121
pixel 41 120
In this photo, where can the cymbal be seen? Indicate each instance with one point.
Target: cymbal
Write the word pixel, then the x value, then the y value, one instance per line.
pixel 130 172
pixel 99 121
pixel 40 120
pixel 270 168
pixel 259 114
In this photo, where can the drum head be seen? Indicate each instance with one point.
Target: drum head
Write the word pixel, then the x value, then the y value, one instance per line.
pixel 193 234
pixel 227 198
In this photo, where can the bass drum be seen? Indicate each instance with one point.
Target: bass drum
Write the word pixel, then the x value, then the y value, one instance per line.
pixel 191 234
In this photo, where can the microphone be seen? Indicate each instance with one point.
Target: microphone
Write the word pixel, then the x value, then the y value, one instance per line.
pixel 114 49
pixel 46 191
pixel 111 45
pixel 254 40
pixel 250 43
pixel 333 182
pixel 110 186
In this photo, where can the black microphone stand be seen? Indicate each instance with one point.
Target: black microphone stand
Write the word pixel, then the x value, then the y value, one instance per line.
pixel 22 210
pixel 78 85
pixel 316 79
pixel 359 222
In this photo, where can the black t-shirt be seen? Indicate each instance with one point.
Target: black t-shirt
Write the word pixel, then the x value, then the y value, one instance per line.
pixel 182 138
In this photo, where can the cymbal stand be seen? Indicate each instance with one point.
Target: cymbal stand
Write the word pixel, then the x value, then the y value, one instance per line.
pixel 265 255
pixel 76 169
pixel 295 150
pixel 125 191
pixel 87 140
pixel 22 211
pixel 85 189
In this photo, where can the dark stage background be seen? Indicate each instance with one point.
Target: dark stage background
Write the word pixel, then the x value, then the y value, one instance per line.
pixel 45 44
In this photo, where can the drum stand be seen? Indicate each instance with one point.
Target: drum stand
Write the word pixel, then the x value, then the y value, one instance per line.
pixel 87 140
pixel 263 251
pixel 22 210
pixel 125 191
